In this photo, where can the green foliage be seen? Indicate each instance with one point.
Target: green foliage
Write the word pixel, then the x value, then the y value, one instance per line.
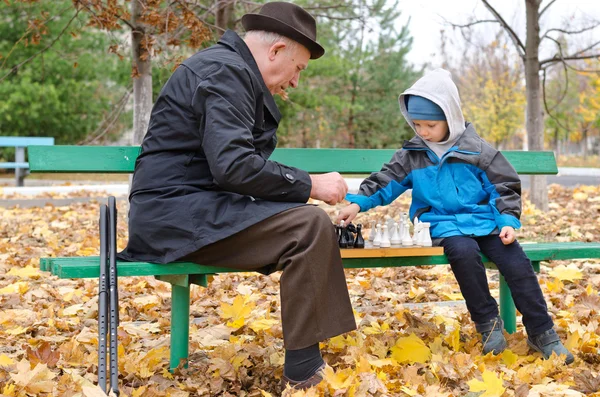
pixel 65 91
pixel 349 98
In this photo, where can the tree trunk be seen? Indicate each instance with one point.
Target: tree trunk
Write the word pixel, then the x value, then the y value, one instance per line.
pixel 142 81
pixel 535 119
pixel 225 16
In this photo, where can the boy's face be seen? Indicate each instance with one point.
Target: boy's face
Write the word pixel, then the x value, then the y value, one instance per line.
pixel 432 130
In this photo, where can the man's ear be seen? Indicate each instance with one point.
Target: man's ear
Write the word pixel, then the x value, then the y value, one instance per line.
pixel 276 49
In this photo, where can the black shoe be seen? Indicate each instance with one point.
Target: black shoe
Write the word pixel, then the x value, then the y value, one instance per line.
pixel 492 336
pixel 548 343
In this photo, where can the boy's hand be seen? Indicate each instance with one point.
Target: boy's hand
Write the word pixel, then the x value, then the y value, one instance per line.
pixel 507 235
pixel 347 214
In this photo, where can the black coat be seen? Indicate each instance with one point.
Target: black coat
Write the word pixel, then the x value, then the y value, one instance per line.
pixel 203 173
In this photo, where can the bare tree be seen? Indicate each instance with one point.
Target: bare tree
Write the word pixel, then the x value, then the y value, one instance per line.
pixel 529 52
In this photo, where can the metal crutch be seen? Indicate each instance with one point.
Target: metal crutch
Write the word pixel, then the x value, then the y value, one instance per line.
pixel 114 294
pixel 102 299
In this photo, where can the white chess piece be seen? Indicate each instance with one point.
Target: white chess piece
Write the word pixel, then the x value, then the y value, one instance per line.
pixel 377 239
pixel 385 237
pixel 425 235
pixel 416 229
pixel 406 239
pixel 372 233
pixel 396 239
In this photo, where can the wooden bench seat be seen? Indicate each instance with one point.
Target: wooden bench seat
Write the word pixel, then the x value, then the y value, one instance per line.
pixel 182 275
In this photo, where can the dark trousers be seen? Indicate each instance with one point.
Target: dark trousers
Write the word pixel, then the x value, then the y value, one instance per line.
pixel 464 256
pixel 315 304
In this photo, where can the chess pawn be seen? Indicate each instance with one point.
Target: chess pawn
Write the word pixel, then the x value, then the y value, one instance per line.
pixel 359 242
pixel 377 239
pixel 406 239
pixel 385 237
pixel 425 235
pixel 343 239
pixel 396 239
pixel 372 233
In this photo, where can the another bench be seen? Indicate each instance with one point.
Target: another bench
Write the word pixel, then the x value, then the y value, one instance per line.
pixel 182 275
pixel 20 166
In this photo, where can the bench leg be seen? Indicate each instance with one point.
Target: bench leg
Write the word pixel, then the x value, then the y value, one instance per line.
pixel 508 312
pixel 180 324
pixel 20 172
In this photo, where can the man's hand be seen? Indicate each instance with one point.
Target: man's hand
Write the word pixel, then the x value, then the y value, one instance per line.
pixel 330 188
pixel 347 214
pixel 507 235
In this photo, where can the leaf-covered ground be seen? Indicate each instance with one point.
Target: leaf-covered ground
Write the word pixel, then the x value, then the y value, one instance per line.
pixel 414 338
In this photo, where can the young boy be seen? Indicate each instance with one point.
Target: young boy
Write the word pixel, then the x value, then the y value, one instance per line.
pixel 471 196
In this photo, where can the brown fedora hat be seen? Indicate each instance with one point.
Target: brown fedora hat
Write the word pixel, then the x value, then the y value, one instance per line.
pixel 288 20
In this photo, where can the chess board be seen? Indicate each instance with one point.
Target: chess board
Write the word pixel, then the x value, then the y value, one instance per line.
pixel 390 252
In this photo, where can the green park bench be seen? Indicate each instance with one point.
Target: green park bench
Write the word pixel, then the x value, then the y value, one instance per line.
pixel 20 166
pixel 98 159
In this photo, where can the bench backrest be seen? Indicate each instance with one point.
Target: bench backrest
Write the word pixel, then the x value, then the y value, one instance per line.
pixel 24 141
pixel 121 159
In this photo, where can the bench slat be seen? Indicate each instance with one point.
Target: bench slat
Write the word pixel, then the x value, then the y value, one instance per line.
pixel 121 159
pixel 24 141
pixel 14 165
pixel 88 267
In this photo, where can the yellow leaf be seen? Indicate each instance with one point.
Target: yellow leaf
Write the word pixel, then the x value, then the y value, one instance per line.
pixel 265 393
pixel 411 349
pixel 340 379
pixel 408 391
pixel 17 288
pixel 509 358
pixel 580 196
pixel 573 341
pixel 92 391
pixel 555 286
pixel 34 381
pixel 492 385
pixel 375 328
pixel 138 392
pixel 16 331
pixel 237 312
pixel 570 273
pixel 454 339
pixel 340 342
pixel 24 272
pixel 262 324
pixel 9 389
pixel 5 361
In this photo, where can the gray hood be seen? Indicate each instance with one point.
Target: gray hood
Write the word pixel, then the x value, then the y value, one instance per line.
pixel 437 86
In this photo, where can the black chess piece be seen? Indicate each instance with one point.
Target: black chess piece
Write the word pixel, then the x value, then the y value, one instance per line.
pixel 343 239
pixel 359 242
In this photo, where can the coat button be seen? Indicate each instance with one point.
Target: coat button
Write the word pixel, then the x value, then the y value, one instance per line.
pixel 289 176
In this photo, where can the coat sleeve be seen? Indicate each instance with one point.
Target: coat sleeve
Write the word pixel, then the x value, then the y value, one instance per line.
pixel 502 183
pixel 225 104
pixel 383 187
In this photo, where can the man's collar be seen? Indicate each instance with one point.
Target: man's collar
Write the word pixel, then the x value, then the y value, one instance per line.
pixel 235 42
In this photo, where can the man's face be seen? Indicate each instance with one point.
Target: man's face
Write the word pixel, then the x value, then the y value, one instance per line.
pixel 432 131
pixel 284 67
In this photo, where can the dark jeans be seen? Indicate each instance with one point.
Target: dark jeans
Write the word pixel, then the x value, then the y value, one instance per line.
pixel 464 256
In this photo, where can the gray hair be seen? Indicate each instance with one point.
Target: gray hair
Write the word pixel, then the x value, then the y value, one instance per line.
pixel 271 38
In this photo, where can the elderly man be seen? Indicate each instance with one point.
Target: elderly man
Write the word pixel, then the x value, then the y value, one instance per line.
pixel 204 189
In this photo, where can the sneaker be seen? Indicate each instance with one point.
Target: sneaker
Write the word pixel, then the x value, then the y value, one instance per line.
pixel 304 384
pixel 492 336
pixel 549 342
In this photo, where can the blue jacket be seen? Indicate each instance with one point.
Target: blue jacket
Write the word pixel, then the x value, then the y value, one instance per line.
pixel 472 190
